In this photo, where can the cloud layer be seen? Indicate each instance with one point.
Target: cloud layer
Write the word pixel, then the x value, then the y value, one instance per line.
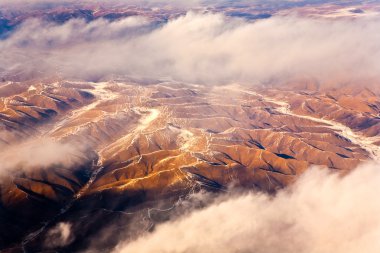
pixel 202 48
pixel 322 212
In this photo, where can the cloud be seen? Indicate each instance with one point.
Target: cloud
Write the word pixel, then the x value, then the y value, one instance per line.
pixel 59 236
pixel 322 212
pixel 73 32
pixel 203 48
pixel 39 153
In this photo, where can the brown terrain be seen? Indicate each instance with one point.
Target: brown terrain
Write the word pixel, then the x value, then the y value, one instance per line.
pixel 147 146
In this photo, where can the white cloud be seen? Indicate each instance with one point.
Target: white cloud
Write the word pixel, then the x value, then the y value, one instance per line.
pixel 59 236
pixel 39 153
pixel 321 213
pixel 206 48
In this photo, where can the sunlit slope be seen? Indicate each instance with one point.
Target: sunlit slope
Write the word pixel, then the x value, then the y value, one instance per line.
pixel 138 143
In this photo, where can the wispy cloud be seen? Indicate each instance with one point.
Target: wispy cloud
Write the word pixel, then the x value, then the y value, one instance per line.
pixel 59 236
pixel 39 153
